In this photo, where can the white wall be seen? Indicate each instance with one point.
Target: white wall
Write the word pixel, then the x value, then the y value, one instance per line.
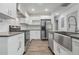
pixel 73 9
pixel 4 26
pixel 65 12
pixel 45 17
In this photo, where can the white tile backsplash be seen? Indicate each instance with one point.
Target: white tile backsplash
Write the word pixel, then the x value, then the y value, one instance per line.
pixel 4 25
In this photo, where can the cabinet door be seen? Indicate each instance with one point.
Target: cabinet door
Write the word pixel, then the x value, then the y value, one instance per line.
pixel 75 46
pixel 16 44
pixel 3 45
pixel 50 41
pixel 13 43
pixel 21 44
pixel 4 8
pixel 56 37
pixel 8 9
pixel 56 48
pixel 35 34
pixel 64 51
pixel 13 10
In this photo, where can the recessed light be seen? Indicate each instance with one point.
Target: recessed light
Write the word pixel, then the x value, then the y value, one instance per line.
pixel 46 9
pixel 40 4
pixel 56 13
pixel 33 9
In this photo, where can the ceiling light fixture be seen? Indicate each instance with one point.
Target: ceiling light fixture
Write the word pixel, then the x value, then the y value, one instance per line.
pixel 40 4
pixel 33 9
pixel 56 13
pixel 46 9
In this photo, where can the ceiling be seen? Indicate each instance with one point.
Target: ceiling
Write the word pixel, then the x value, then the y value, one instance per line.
pixel 40 8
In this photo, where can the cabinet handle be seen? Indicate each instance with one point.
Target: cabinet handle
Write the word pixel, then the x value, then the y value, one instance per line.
pixel 19 45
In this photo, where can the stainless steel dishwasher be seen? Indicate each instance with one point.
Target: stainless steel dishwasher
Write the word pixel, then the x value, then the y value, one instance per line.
pixel 64 40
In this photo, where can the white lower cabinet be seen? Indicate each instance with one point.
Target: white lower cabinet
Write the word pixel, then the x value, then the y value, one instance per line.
pixel 16 44
pixel 50 41
pixel 3 46
pixel 35 34
pixel 21 45
pixel 56 48
pixel 75 46
pixel 13 45
pixel 64 51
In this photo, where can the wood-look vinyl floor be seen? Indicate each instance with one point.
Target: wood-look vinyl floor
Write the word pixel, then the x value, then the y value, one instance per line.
pixel 38 47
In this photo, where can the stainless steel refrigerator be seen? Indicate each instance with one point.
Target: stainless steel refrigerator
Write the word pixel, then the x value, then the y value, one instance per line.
pixel 44 29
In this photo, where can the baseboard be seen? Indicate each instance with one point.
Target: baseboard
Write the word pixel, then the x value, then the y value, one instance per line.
pixel 24 53
pixel 51 51
pixel 35 39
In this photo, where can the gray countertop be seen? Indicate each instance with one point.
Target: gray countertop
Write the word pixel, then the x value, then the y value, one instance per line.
pixel 71 34
pixel 75 36
pixel 51 31
pixel 24 30
pixel 31 30
pixel 8 34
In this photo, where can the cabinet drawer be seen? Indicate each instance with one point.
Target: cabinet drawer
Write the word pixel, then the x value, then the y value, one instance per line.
pixel 13 45
pixel 64 51
pixel 56 48
pixel 75 46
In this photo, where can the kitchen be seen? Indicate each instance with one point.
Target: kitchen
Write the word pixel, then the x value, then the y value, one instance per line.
pixel 39 29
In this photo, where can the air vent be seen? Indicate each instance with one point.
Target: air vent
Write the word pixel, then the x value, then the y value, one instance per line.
pixel 65 4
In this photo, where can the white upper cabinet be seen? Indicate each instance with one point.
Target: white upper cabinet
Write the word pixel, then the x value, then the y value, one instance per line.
pixel 8 9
